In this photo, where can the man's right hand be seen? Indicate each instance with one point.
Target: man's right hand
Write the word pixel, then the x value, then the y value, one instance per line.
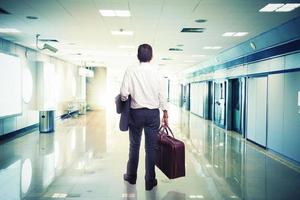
pixel 165 118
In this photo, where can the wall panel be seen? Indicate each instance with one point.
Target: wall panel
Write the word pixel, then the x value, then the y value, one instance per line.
pixel 292 61
pixel 274 64
pixel 291 124
pixel 275 111
pixel 261 111
pixel 257 110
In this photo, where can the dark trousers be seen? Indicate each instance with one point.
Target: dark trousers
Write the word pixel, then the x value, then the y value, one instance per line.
pixel 149 120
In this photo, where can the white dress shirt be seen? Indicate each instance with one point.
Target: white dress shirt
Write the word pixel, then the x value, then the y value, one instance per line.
pixel 145 85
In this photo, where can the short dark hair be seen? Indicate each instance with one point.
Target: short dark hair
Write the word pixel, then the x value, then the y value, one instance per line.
pixel 144 53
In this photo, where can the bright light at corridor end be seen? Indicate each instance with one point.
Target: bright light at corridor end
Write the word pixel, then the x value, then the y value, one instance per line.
pixel 279 7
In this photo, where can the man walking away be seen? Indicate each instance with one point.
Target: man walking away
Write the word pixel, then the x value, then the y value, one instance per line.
pixel 146 87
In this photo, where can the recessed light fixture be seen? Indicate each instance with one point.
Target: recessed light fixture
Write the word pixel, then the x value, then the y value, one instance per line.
pixel 122 13
pixel 31 17
pixel 107 13
pixel 121 32
pixel 228 34
pixel 212 47
pixel 279 7
pixel 288 7
pixel 59 195
pixel 9 30
pixel 240 34
pixel 234 34
pixel 197 196
pixel 115 13
pixel 271 7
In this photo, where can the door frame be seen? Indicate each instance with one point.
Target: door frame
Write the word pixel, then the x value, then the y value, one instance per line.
pixel 218 81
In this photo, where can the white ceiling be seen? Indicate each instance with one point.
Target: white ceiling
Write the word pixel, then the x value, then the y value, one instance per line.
pixel 80 28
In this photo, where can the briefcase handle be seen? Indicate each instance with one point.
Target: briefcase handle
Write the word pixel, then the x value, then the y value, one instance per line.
pixel 166 129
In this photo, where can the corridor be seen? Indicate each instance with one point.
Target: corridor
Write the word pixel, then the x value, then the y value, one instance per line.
pixel 86 156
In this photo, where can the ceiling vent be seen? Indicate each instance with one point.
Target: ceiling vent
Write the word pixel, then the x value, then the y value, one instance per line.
pixel 175 49
pixel 192 30
pixel 200 20
pixel 4 12
pixel 166 59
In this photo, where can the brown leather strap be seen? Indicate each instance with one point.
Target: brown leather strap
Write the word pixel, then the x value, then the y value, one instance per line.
pixel 166 130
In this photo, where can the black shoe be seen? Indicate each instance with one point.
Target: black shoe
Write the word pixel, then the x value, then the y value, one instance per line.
pixel 150 184
pixel 130 180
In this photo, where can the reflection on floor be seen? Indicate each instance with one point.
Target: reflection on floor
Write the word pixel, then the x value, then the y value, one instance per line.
pixel 86 157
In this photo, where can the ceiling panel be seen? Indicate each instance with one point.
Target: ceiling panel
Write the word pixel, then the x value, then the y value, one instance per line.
pixel 80 28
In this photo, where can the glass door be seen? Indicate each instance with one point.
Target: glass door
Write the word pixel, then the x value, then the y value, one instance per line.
pixel 219 103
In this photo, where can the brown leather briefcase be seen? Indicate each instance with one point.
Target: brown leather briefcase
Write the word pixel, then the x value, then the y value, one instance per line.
pixel 170 154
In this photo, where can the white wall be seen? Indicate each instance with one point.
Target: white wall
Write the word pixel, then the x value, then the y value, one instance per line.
pixel 63 72
pixel 283 112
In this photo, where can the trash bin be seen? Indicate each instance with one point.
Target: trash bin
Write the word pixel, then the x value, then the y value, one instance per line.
pixel 47 121
pixel 82 108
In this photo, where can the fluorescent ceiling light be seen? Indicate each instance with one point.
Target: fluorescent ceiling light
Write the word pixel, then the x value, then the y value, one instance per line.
pixel 115 13
pixel 121 32
pixel 228 34
pixel 271 7
pixel 189 61
pixel 122 13
pixel 196 196
pixel 198 56
pixel 212 47
pixel 288 7
pixel 9 30
pixel 59 195
pixel 240 34
pixel 107 13
pixel 234 34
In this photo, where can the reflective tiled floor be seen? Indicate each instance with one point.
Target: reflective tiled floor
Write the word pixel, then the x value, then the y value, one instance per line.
pixel 86 157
